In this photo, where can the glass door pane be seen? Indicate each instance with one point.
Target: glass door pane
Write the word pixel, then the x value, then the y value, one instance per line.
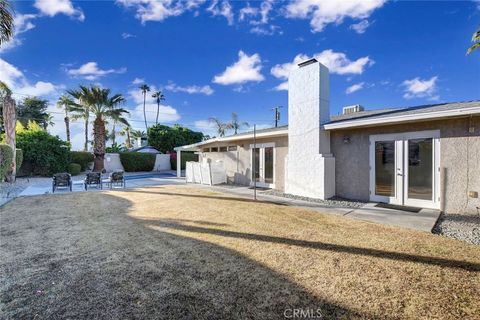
pixel 268 165
pixel 256 163
pixel 420 169
pixel 385 168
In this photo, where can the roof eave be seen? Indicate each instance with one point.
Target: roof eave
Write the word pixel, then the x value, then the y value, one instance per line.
pixel 373 121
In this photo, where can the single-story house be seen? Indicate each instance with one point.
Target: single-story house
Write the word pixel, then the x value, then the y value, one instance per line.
pixel 425 156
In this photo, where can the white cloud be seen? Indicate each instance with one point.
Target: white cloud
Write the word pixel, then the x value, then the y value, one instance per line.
pixel 138 81
pixel 360 27
pixel 20 86
pixel 247 12
pixel 206 90
pixel 246 69
pixel 153 10
pixel 54 7
pixel 127 35
pixel 90 71
pixel 224 9
pixel 266 31
pixel 324 12
pixel 355 87
pixel 420 88
pixel 22 23
pixel 336 62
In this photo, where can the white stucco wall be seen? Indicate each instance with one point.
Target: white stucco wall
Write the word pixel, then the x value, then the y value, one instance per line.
pixel 112 162
pixel 310 168
pixel 162 162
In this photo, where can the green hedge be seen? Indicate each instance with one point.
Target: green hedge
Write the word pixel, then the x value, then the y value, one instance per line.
pixel 19 158
pixel 186 156
pixel 74 169
pixel 6 158
pixel 137 161
pixel 82 158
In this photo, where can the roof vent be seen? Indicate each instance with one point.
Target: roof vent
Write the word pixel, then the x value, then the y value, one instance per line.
pixel 352 109
pixel 306 63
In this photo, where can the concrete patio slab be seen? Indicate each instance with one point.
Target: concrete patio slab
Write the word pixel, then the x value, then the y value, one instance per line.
pixel 423 220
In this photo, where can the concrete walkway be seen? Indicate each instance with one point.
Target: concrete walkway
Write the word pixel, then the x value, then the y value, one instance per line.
pixel 424 220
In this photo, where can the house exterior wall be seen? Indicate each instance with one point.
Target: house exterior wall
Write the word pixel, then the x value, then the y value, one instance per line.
pixel 459 160
pixel 238 163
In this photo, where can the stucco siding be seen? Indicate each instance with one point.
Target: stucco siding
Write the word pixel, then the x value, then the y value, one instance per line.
pixel 459 160
pixel 238 163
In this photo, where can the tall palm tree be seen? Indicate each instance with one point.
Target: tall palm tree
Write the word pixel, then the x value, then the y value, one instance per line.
pixel 64 103
pixel 6 21
pixel 235 124
pixel 219 126
pixel 160 97
pixel 102 105
pixel 80 109
pixel 115 117
pixel 476 41
pixel 126 132
pixel 9 122
pixel 145 88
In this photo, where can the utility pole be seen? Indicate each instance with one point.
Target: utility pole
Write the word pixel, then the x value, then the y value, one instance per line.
pixel 277 115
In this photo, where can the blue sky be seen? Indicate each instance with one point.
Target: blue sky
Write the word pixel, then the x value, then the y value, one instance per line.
pixel 212 58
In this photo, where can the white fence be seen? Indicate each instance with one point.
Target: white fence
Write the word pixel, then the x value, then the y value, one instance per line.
pixel 209 173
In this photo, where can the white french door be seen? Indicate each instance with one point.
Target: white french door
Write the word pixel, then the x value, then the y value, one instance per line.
pixel 405 169
pixel 262 159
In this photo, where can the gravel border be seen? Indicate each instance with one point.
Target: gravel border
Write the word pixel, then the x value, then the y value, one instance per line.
pixel 460 227
pixel 333 202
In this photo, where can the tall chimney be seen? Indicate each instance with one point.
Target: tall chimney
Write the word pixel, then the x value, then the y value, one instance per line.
pixel 310 168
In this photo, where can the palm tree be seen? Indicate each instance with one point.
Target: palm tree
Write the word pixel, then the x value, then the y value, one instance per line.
pixel 99 103
pixel 160 97
pixel 6 21
pixel 476 41
pixel 138 134
pixel 235 124
pixel 145 88
pixel 80 109
pixel 9 123
pixel 126 132
pixel 115 117
pixel 64 103
pixel 219 126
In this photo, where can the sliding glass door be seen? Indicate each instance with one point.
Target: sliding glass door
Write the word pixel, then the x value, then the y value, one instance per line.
pixel 263 164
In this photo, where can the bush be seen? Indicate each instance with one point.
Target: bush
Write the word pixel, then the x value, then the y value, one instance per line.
pixel 6 158
pixel 82 158
pixel 43 154
pixel 165 138
pixel 137 161
pixel 186 156
pixel 74 169
pixel 19 158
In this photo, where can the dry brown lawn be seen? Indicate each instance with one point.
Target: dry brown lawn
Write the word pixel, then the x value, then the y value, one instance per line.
pixel 180 252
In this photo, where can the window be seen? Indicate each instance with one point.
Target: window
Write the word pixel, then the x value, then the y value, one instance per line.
pixel 232 148
pixel 223 149
pixel 215 149
pixel 206 150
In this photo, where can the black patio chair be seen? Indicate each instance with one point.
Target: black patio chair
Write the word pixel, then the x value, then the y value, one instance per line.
pixel 61 180
pixel 116 178
pixel 93 179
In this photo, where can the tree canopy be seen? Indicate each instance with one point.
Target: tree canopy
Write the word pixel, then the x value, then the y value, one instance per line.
pixel 165 138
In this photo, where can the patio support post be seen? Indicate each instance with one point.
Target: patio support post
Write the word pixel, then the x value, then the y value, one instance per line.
pixel 179 164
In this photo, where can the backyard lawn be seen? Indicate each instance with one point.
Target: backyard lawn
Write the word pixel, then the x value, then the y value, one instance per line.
pixel 181 252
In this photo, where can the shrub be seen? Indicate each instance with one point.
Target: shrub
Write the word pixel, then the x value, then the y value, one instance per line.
pixel 6 158
pixel 186 156
pixel 43 154
pixel 74 169
pixel 83 158
pixel 19 158
pixel 137 161
pixel 165 138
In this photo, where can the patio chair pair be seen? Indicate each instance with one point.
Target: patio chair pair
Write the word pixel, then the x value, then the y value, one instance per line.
pixel 95 179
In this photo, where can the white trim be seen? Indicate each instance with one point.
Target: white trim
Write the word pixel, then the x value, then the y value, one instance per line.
pixel 402 118
pixel 261 147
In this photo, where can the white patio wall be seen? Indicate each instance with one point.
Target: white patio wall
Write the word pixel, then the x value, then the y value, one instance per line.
pixel 162 162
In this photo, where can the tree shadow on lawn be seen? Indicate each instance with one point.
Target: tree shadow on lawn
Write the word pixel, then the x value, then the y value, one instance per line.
pixel 109 265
